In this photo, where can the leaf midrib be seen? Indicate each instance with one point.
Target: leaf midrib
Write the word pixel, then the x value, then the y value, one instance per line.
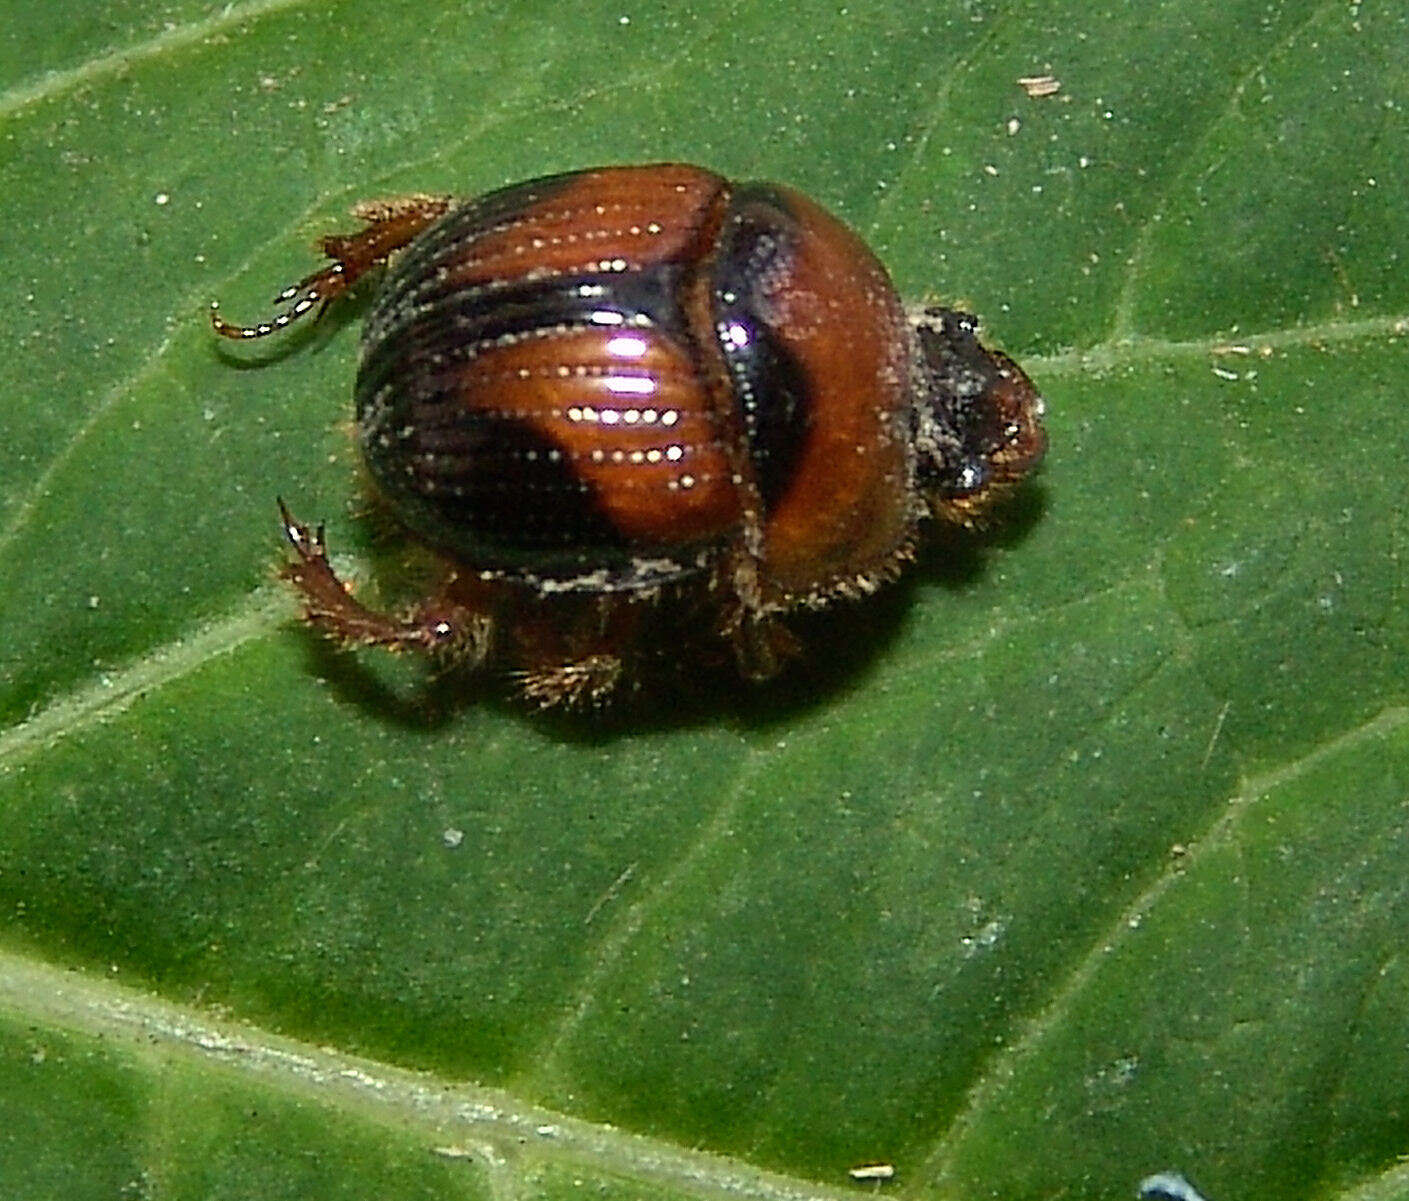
pixel 440 1111
pixel 260 613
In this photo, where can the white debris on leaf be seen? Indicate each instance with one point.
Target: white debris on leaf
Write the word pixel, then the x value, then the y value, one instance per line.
pixel 1038 86
pixel 872 1171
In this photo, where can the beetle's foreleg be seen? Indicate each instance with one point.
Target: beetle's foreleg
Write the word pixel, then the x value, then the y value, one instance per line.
pixel 440 625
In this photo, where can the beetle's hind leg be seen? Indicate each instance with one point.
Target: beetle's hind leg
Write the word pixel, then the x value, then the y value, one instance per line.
pixel 574 653
pixel 762 646
pixel 391 224
pixel 587 682
pixel 441 625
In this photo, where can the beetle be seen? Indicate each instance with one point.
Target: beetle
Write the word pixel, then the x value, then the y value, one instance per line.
pixel 641 412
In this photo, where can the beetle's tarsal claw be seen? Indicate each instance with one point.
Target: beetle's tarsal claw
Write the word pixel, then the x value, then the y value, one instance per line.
pixel 292 530
pixel 309 545
pixel 312 291
pixel 302 305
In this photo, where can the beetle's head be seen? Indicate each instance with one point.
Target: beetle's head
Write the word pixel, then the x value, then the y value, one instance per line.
pixel 978 418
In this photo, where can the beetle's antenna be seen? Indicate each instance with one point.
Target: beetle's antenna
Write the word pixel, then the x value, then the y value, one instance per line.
pixel 320 287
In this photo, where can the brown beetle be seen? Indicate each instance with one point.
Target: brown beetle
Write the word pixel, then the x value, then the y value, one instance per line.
pixel 641 408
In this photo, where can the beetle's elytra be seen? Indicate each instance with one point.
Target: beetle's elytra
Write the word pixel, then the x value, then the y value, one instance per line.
pixel 635 404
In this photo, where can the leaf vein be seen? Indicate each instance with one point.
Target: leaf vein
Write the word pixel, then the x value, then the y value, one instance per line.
pixel 257 615
pixel 1123 316
pixel 541 1061
pixel 931 122
pixel 1002 1066
pixel 1139 349
pixel 112 62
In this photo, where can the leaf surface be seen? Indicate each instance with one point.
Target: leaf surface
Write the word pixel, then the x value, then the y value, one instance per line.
pixel 1076 857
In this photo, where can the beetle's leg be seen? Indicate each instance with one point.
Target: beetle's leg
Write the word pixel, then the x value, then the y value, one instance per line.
pixel 443 625
pixel 576 660
pixel 762 646
pixel 583 683
pixel 391 224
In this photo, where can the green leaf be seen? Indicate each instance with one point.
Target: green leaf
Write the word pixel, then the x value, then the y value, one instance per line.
pixel 1077 857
